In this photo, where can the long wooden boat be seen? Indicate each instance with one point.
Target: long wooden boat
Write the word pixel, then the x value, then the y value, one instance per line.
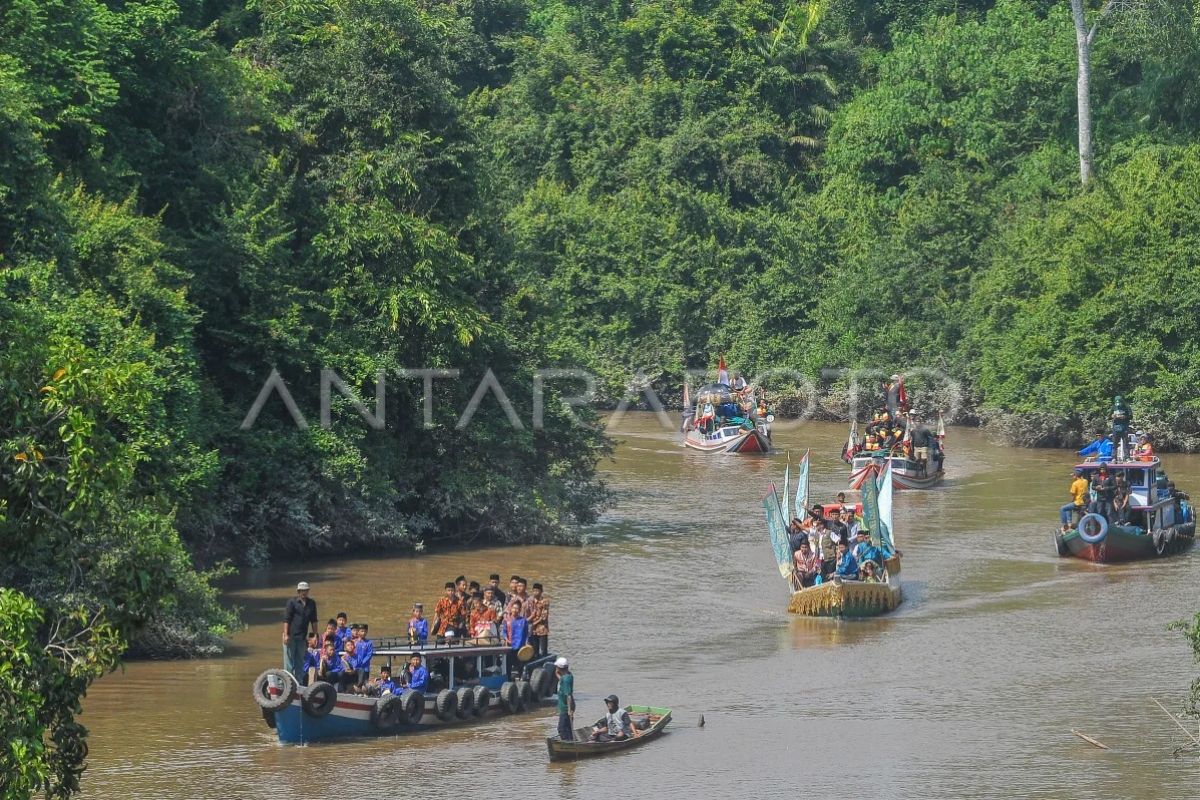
pixel 1159 526
pixel 728 422
pixel 656 720
pixel 906 473
pixel 837 597
pixel 468 682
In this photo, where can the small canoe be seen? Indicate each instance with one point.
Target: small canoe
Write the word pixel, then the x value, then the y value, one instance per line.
pixel 653 719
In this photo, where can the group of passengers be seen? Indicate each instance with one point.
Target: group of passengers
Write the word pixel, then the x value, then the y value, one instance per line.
pixel 900 434
pixel 834 545
pixel 1107 494
pixel 487 615
pixel 735 402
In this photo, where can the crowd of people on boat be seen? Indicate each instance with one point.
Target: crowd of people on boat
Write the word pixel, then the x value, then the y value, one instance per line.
pixel 1108 494
pixel 468 612
pixel 832 542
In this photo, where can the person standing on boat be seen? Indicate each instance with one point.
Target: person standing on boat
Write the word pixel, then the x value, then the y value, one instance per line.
pixel 516 630
pixel 1105 488
pixel 538 613
pixel 1100 450
pixel 418 626
pixel 299 618
pixel 497 593
pixel 1078 493
pixel 566 700
pixel 1122 418
pixel 446 612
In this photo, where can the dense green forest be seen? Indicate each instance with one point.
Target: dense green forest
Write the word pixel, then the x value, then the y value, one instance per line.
pixel 194 193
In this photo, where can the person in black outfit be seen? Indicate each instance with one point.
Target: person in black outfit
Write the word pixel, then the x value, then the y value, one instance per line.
pixel 299 617
pixel 1105 488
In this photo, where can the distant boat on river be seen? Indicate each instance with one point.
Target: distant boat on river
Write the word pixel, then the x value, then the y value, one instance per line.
pixel 726 421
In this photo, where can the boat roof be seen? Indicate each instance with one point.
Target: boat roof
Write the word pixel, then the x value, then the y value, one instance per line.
pixel 1119 465
pixel 467 648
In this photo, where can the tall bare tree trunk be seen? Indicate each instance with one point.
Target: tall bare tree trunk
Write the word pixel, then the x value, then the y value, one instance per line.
pixel 1083 47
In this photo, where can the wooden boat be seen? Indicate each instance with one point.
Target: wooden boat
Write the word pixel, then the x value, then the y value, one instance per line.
pixel 837 598
pixel 730 439
pixel 467 683
pixel 719 428
pixel 1159 526
pixel 845 598
pixel 656 720
pixel 906 473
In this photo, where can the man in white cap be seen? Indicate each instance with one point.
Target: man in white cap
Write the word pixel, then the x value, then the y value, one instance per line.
pixel 299 616
pixel 566 700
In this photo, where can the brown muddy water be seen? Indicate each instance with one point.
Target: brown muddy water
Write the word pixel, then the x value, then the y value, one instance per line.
pixel 969 690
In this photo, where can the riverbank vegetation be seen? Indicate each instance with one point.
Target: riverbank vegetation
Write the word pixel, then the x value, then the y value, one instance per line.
pixel 193 194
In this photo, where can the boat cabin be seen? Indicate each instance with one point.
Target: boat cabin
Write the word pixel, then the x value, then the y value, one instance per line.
pixel 1151 506
pixel 473 662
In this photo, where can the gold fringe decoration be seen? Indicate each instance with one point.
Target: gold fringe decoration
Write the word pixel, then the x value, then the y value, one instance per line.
pixel 850 599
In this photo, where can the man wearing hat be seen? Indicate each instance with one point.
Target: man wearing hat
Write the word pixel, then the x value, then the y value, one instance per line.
pixel 566 699
pixel 298 617
pixel 616 724
pixel 1078 493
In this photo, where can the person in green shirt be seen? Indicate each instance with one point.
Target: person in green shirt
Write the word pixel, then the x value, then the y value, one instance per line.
pixel 566 700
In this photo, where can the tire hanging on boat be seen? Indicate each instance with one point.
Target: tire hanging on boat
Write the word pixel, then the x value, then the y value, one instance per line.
pixel 1092 538
pixel 1160 541
pixel 464 702
pixel 445 705
pixel 1059 545
pixel 286 685
pixel 508 697
pixel 413 704
pixel 538 680
pixel 481 700
pixel 388 712
pixel 524 695
pixel 319 699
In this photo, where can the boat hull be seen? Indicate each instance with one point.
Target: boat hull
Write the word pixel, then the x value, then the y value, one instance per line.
pixel 852 599
pixel 744 442
pixel 581 748
pixel 906 474
pixel 1122 545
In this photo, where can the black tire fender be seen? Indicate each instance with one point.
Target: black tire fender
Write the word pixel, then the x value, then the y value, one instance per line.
pixel 319 699
pixel 509 697
pixel 464 702
pixel 413 703
pixel 388 712
pixel 524 695
pixel 287 690
pixel 482 698
pixel 445 705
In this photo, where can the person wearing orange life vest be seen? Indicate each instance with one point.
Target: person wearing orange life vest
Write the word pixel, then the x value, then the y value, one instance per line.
pixel 1145 449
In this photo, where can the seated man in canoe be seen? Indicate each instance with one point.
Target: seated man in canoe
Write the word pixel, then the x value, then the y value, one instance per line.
pixel 616 724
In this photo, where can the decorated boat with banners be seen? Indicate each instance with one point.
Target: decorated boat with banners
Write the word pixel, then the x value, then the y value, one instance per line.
pixel 1158 521
pixel 468 681
pixel 914 455
pixel 727 420
pixel 648 721
pixel 834 596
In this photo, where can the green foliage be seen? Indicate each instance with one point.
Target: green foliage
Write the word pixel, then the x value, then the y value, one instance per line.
pixel 1191 631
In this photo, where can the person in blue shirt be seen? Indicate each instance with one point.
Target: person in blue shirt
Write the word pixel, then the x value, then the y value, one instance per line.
pixel 1101 449
pixel 847 565
pixel 866 550
pixel 515 629
pixel 364 649
pixel 384 685
pixel 341 633
pixel 418 626
pixel 416 676
pixel 312 660
pixel 329 668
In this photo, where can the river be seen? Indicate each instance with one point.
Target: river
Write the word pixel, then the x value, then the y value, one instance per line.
pixel 969 690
